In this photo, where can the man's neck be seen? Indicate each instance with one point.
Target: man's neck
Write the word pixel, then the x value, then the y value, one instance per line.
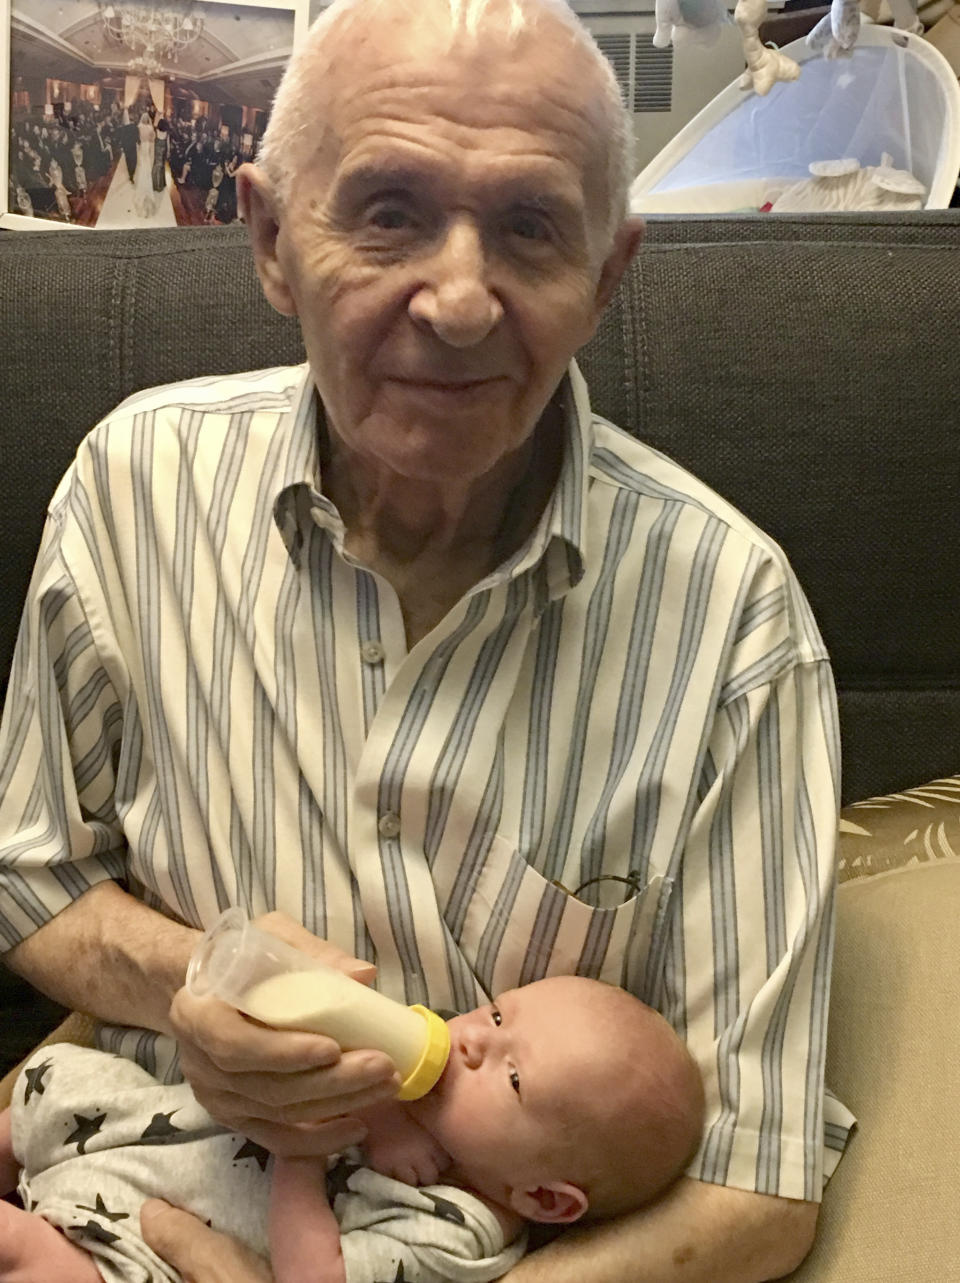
pixel 434 540
pixel 445 516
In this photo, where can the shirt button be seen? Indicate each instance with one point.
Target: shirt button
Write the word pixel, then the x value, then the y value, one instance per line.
pixel 389 825
pixel 372 653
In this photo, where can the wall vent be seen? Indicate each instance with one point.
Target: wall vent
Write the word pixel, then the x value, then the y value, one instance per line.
pixel 653 76
pixel 645 74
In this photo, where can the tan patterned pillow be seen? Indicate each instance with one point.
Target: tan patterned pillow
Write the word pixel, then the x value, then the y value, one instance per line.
pixel 917 826
pixel 893 1058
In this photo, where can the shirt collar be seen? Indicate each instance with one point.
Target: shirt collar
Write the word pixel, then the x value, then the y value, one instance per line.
pixel 299 498
pixel 559 540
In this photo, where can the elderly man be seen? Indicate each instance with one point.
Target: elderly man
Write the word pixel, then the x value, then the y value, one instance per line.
pixel 412 647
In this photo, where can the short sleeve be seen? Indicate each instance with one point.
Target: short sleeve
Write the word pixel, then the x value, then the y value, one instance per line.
pixel 59 738
pixel 747 970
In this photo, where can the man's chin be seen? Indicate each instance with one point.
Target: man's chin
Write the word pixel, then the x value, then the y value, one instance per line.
pixel 446 463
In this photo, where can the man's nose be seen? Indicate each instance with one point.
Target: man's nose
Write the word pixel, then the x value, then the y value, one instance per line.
pixel 455 298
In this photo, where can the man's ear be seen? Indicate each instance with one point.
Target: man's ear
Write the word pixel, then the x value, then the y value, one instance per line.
pixel 554 1203
pixel 258 209
pixel 625 245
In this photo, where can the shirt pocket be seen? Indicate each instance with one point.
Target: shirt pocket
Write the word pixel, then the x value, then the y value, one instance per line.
pixel 519 927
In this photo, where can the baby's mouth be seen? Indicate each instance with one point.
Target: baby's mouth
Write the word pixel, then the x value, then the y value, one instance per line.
pixel 450 1070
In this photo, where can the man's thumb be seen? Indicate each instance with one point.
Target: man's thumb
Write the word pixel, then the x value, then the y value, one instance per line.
pixel 202 1255
pixel 171 1233
pixel 155 1223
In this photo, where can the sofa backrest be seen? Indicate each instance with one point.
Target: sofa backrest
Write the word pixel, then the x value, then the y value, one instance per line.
pixel 804 367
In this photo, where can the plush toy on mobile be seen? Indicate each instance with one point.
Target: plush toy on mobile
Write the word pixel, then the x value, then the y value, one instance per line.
pixel 834 35
pixel 681 20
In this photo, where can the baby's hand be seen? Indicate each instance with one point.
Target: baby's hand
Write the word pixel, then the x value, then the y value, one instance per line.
pixel 398 1147
pixel 412 1164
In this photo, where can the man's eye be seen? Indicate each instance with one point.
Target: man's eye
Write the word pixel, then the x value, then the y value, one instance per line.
pixel 496 1017
pixel 515 1081
pixel 529 227
pixel 389 218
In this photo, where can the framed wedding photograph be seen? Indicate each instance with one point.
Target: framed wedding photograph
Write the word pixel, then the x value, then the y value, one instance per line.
pixel 135 113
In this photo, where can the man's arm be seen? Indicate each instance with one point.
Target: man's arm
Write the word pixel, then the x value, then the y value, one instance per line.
pixel 696 1233
pixel 109 955
pixel 294 1093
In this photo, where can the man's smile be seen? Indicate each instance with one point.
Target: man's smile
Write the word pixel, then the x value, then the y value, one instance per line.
pixel 448 386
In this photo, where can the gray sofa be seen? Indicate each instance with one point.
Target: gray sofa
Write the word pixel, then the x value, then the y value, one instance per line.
pixel 807 368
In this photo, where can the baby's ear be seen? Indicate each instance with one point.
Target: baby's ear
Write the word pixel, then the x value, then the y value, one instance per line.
pixel 554 1203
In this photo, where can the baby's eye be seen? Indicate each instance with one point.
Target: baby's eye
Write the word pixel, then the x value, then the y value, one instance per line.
pixel 496 1017
pixel 515 1081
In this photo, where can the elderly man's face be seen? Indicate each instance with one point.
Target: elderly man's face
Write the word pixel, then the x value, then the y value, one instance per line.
pixel 443 250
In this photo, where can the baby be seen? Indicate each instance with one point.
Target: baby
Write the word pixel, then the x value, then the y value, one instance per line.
pixel 563 1100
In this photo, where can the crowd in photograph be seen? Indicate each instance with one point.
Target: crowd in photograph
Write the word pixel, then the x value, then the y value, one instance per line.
pixel 205 159
pixel 57 160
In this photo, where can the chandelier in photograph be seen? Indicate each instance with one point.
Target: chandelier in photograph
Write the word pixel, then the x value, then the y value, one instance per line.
pixel 154 33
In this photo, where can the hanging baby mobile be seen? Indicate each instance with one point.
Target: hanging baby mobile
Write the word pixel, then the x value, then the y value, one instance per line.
pixel 834 35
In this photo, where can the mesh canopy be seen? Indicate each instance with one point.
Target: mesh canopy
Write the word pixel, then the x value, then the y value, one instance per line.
pixel 884 98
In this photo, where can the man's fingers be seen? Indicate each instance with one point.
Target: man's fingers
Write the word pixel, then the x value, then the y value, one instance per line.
pixel 291 932
pixel 326 1108
pixel 356 1074
pixel 359 1080
pixel 210 1029
pixel 267 1083
pixel 232 1108
pixel 198 1252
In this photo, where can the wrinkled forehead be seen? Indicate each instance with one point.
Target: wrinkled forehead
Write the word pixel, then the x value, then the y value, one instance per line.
pixel 410 77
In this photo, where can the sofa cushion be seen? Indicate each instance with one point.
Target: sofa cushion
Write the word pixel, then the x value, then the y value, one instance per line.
pixel 155 308
pixel 894 1058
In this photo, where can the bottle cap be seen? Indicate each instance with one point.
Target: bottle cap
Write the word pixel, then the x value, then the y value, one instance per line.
pixel 433 1059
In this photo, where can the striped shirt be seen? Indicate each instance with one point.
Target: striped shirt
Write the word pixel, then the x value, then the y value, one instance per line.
pixel 615 756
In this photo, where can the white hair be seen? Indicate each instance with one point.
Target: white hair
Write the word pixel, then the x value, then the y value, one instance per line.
pixel 293 116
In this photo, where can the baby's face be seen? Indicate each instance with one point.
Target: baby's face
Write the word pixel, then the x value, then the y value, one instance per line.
pixel 518 1067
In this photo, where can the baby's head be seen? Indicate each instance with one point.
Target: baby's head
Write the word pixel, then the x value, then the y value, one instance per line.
pixel 566 1098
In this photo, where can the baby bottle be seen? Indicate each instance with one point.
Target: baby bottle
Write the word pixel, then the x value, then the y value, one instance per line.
pixel 277 984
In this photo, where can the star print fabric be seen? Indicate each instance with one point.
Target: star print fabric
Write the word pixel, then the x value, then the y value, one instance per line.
pixel 394 1233
pixel 96 1135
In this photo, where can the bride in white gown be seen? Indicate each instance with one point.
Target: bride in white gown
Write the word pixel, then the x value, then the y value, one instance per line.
pixel 144 197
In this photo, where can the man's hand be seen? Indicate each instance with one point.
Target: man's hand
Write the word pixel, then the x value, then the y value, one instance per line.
pixel 294 1093
pixel 198 1252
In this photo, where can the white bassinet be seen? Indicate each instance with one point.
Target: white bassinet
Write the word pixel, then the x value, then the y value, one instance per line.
pixel 896 93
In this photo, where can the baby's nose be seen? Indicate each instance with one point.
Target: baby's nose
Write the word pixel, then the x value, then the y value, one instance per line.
pixel 473 1043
